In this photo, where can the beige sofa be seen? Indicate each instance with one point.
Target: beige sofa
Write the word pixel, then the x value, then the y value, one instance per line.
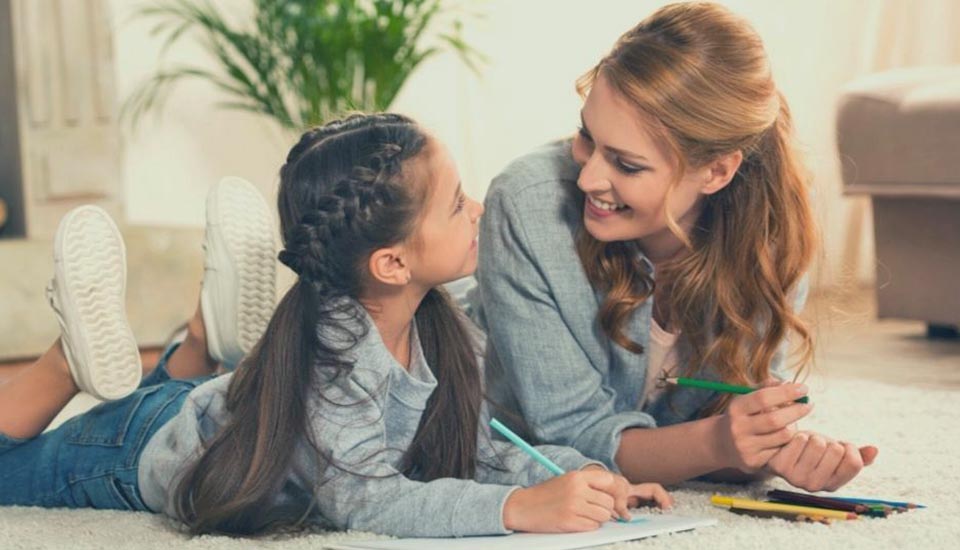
pixel 899 142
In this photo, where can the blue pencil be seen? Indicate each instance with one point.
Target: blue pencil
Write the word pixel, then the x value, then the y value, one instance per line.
pixel 538 456
pixel 526 447
pixel 875 501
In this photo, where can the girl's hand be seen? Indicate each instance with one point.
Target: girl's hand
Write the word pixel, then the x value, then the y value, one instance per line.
pixel 814 462
pixel 576 501
pixel 756 425
pixel 627 495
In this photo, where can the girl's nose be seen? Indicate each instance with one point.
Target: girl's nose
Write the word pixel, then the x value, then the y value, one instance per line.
pixel 476 211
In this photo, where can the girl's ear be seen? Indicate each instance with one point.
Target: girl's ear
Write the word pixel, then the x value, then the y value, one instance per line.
pixel 389 266
pixel 721 171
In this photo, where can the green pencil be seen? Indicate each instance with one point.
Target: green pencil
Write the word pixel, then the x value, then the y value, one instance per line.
pixel 717 386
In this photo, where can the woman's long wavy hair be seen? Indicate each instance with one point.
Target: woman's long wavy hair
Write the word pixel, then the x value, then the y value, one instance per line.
pixel 346 190
pixel 700 77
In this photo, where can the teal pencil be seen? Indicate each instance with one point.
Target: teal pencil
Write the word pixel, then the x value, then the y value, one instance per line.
pixel 718 386
pixel 526 447
pixel 874 501
pixel 538 456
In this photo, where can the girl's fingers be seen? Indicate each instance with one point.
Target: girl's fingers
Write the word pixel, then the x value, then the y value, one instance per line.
pixel 594 512
pixel 651 492
pixel 620 506
pixel 601 499
pixel 580 524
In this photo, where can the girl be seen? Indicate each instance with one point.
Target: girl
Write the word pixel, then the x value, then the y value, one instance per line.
pixel 361 406
pixel 670 237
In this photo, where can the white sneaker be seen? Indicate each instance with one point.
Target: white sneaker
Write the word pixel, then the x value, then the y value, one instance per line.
pixel 87 295
pixel 239 280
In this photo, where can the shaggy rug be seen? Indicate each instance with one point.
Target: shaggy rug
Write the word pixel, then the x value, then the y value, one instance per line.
pixel 915 429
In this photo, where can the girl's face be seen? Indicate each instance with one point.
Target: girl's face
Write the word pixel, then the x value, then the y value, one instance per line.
pixel 447 239
pixel 626 174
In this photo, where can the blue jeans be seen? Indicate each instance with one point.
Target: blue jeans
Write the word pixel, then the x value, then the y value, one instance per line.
pixel 91 460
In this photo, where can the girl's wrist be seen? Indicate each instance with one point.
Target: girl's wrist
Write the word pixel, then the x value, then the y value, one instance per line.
pixel 513 509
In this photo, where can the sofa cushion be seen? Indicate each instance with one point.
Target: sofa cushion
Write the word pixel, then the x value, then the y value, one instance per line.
pixel 898 133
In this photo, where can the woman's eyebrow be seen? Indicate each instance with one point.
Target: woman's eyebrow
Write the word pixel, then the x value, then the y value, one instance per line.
pixel 621 152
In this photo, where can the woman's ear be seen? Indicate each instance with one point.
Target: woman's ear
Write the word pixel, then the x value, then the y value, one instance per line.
pixel 720 172
pixel 389 266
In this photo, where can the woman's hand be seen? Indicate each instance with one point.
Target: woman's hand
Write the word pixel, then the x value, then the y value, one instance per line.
pixel 814 462
pixel 577 501
pixel 756 425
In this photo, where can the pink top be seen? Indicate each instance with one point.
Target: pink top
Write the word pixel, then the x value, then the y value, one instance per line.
pixel 661 358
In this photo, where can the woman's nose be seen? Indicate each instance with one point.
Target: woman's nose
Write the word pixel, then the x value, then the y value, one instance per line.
pixel 592 176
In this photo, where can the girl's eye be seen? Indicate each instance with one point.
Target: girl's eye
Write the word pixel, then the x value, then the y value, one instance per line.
pixel 460 204
pixel 583 133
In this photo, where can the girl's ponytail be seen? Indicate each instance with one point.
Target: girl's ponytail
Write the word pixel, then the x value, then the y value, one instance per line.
pixel 232 487
pixel 446 441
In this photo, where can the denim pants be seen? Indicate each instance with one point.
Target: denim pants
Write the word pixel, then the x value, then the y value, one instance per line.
pixel 91 460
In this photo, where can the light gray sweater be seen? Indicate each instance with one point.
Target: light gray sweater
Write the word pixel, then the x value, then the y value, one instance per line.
pixel 364 421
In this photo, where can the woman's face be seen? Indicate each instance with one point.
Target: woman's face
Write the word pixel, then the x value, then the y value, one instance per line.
pixel 626 174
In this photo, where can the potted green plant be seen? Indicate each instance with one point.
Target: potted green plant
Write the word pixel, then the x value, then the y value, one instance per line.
pixel 301 62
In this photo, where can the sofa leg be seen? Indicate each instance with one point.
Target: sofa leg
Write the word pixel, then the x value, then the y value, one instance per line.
pixel 942 332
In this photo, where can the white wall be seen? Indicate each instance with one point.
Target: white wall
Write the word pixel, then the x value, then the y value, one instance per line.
pixel 525 97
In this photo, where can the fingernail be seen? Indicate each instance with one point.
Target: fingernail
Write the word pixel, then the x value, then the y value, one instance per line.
pixel 802 389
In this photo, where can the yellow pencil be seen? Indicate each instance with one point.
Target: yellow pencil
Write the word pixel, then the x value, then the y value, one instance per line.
pixel 747 504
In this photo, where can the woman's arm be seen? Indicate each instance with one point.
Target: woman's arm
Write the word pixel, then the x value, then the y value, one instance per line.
pixel 744 438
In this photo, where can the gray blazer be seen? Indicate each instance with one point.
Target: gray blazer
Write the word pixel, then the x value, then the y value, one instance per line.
pixel 547 359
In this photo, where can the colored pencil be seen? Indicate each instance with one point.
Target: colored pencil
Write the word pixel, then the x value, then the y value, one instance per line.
pixel 891 503
pixel 526 447
pixel 729 502
pixel 718 386
pixel 791 497
pixel 788 516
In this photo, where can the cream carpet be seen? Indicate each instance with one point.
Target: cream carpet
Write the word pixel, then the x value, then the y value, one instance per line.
pixel 915 429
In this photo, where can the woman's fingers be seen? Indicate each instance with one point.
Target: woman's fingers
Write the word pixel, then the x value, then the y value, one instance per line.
pixel 849 467
pixel 829 464
pixel 768 398
pixel 868 454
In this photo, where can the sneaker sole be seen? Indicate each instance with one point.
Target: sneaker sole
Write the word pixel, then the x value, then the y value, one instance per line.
pixel 244 221
pixel 90 267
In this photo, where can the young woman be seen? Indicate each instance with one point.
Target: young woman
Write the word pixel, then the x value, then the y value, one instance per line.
pixel 671 236
pixel 360 407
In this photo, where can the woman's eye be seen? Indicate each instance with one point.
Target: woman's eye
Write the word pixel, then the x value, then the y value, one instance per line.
pixel 583 133
pixel 629 168
pixel 460 203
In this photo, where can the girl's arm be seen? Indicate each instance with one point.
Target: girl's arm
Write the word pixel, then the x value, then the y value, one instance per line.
pixel 367 492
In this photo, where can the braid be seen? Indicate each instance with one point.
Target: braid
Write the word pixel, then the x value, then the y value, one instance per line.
pixel 344 204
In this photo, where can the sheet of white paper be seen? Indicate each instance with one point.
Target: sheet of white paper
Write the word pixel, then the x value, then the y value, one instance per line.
pixel 655 524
